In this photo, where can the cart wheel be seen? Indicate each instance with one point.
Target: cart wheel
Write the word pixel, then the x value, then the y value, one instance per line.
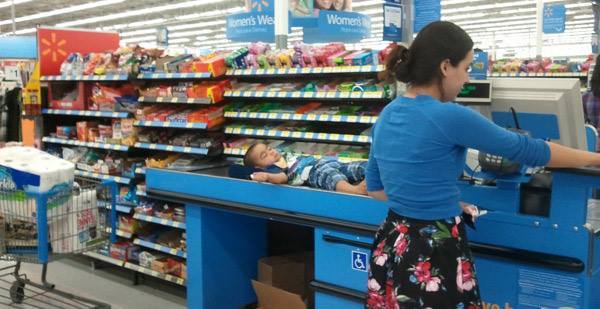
pixel 17 292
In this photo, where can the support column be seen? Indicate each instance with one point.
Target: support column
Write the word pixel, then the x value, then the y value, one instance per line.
pixel 407 30
pixel 539 33
pixel 12 16
pixel 281 24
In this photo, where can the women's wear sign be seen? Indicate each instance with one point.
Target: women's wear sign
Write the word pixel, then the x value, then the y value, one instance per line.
pixel 426 12
pixel 554 18
pixel 346 27
pixel 252 26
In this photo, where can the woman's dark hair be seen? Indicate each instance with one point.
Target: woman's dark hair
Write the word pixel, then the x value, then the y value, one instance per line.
pixel 595 82
pixel 420 64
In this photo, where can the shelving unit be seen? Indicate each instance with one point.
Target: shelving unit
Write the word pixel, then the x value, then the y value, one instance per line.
pixel 85 144
pixel 167 124
pixel 157 247
pixel 171 148
pixel 100 114
pixel 302 117
pixel 526 74
pixel 305 94
pixel 108 77
pixel 313 136
pixel 177 100
pixel 156 220
pixel 162 76
pixel 153 273
pixel 302 71
pixel 117 179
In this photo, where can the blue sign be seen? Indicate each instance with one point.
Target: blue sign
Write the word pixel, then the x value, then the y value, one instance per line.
pixel 346 27
pixel 252 26
pixel 359 261
pixel 479 66
pixel 392 22
pixel 18 47
pixel 426 12
pixel 554 18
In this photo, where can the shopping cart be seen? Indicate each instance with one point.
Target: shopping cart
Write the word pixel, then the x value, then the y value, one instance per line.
pixel 42 227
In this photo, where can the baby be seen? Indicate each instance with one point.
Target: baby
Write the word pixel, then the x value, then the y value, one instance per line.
pixel 327 174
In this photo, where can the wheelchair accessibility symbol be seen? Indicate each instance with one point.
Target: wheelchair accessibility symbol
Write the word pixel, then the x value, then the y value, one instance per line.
pixel 359 261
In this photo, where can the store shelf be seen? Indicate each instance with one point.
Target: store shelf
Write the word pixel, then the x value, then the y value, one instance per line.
pixel 173 75
pixel 333 137
pixel 299 71
pixel 306 94
pixel 525 74
pixel 122 180
pixel 302 117
pixel 172 148
pixel 154 273
pixel 120 208
pixel 85 144
pixel 120 233
pixel 242 151
pixel 104 258
pixel 171 223
pixel 85 113
pixel 108 77
pixel 174 100
pixel 168 124
pixel 160 248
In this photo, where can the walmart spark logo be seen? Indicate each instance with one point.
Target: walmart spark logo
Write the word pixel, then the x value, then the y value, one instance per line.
pixel 259 5
pixel 53 47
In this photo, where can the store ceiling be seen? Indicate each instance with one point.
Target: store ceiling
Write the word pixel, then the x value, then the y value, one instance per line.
pixel 504 24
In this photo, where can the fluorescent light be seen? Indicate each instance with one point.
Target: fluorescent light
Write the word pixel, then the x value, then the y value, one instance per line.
pixel 139 39
pixel 9 3
pixel 138 32
pixel 197 25
pixel 366 3
pixel 25 31
pixel 182 40
pixel 66 10
pixel 156 9
pixel 190 33
pixel 590 16
pixel 488 6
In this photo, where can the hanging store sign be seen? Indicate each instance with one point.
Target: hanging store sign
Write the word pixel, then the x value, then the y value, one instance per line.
pixel 18 47
pixel 392 22
pixel 426 12
pixel 55 44
pixel 479 66
pixel 554 18
pixel 348 27
pixel 252 26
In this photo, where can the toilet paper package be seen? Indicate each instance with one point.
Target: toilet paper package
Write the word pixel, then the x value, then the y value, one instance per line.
pixel 26 169
pixel 80 227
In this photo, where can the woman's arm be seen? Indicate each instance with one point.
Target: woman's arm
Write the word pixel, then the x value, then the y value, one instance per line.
pixel 562 156
pixel 378 195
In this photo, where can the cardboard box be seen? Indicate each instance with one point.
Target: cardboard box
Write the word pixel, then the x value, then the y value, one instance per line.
pixel 284 280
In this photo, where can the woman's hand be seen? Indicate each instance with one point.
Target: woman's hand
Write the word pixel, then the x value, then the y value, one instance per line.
pixel 470 209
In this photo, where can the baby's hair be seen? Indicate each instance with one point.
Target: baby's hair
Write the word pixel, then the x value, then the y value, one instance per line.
pixel 248 162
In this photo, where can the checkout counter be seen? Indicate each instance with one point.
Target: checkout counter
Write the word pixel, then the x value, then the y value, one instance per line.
pixel 537 246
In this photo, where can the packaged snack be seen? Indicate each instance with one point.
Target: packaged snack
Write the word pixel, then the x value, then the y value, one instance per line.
pixel 66 132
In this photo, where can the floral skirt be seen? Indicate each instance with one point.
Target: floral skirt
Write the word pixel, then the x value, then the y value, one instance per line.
pixel 422 264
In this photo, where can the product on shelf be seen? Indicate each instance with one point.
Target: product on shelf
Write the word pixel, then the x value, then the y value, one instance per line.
pixel 341 85
pixel 545 65
pixel 128 224
pixel 125 60
pixel 66 132
pixel 146 258
pixel 113 98
pixel 212 90
pixel 124 251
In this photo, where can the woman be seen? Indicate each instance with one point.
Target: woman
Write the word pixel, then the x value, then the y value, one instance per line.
pixel 420 257
pixel 591 99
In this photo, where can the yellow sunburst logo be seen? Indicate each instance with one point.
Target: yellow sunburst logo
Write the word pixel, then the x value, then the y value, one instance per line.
pixel 53 47
pixel 259 5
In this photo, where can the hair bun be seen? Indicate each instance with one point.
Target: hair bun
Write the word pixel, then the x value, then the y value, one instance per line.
pixel 404 55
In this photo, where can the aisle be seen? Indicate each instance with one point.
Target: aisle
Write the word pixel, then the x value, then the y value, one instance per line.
pixel 108 284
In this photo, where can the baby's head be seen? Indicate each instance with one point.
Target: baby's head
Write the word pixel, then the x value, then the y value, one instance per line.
pixel 260 155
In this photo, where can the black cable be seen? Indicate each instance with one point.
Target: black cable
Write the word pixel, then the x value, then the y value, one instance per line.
pixel 515 119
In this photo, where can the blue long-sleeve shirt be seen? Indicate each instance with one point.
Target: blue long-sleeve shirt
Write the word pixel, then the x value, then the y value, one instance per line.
pixel 419 150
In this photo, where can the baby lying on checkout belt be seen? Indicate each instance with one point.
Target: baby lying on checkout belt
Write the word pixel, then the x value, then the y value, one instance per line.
pixel 327 173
